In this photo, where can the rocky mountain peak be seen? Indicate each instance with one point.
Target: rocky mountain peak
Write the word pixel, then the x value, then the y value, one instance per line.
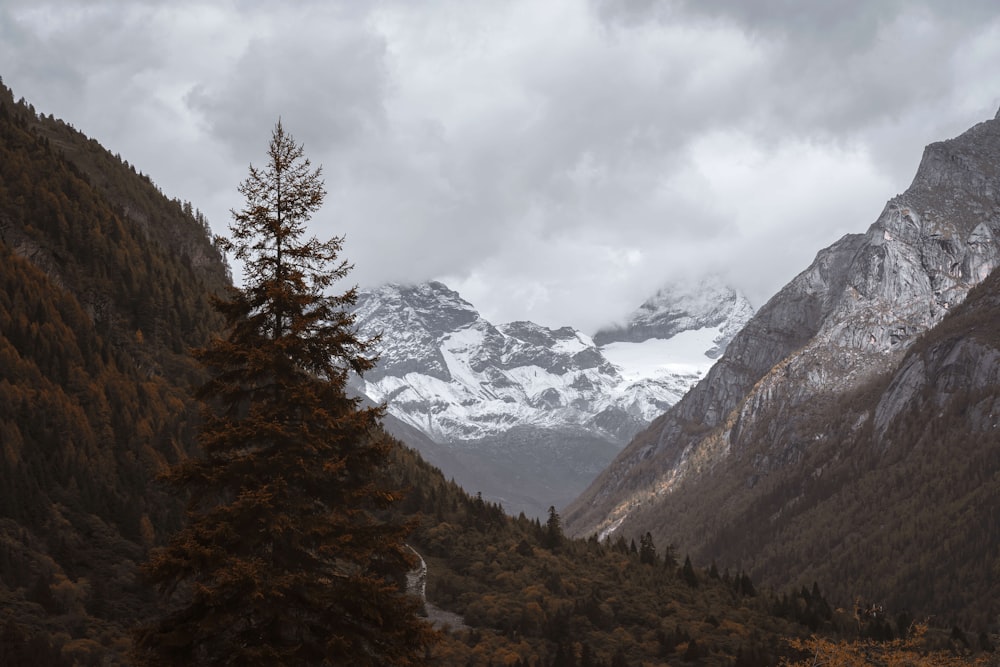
pixel 431 304
pixel 416 317
pixel 966 163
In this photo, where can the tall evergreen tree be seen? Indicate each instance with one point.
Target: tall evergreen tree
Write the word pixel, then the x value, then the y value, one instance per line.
pixel 647 549
pixel 553 537
pixel 288 556
pixel 687 573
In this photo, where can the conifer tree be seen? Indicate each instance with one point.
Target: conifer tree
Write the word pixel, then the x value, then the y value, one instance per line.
pixel 553 537
pixel 287 556
pixel 647 550
pixel 687 573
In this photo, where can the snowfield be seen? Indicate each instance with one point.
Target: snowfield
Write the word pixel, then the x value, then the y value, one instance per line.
pixel 683 355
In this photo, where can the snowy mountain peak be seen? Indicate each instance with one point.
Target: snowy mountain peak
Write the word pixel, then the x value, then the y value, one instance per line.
pixel 455 376
pixel 431 305
pixel 681 306
pixel 412 320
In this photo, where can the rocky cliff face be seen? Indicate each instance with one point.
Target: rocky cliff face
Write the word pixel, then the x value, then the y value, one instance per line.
pixel 849 434
pixel 531 414
pixel 843 322
pixel 889 491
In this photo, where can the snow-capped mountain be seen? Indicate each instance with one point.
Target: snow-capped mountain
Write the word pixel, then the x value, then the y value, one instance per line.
pixel 448 372
pixel 682 308
pixel 489 390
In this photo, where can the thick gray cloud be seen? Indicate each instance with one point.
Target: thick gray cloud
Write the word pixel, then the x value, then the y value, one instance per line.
pixel 554 161
pixel 319 67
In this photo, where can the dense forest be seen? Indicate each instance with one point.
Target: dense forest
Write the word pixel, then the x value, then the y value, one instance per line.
pixel 106 284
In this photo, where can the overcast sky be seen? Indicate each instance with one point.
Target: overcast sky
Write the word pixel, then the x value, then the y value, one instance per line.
pixel 552 160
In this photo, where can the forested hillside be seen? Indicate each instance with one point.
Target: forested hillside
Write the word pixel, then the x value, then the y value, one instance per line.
pixel 528 595
pixel 104 285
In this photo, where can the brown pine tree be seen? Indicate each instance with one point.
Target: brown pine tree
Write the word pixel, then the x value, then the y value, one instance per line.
pixel 288 556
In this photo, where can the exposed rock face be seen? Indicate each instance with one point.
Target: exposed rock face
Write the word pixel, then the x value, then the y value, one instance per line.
pixel 847 319
pixel 931 380
pixel 530 414
pixel 417 315
pixel 884 491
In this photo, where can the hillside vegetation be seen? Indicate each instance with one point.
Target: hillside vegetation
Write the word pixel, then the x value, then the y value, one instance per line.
pixel 104 284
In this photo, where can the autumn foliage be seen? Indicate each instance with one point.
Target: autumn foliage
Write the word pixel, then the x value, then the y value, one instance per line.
pixel 911 651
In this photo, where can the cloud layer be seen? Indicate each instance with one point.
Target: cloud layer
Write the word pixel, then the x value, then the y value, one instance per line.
pixel 554 161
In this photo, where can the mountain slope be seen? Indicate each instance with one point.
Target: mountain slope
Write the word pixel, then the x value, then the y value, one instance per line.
pixel 838 331
pixel 104 284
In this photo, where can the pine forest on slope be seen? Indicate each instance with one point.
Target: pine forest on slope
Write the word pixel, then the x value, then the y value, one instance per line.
pixel 105 284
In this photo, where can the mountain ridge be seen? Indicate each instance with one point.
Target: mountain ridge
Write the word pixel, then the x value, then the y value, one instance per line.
pixel 484 390
pixel 844 323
